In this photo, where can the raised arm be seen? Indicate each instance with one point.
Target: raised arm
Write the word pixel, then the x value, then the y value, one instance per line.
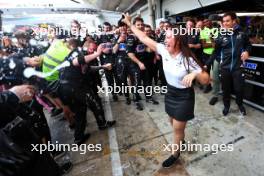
pixel 140 35
pixel 88 58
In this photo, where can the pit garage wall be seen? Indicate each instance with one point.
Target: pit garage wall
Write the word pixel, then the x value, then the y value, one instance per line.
pixel 179 6
pixel 110 17
pixel 145 15
pixel 1 20
pixel 142 12
pixel 173 7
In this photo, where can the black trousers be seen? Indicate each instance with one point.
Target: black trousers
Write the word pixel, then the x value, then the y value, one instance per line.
pixel 161 73
pixel 110 78
pixel 41 126
pixel 92 80
pixel 206 57
pixel 75 98
pixel 122 72
pixel 135 80
pixel 79 98
pixel 146 77
pixel 109 74
pixel 155 73
pixel 95 104
pixel 152 73
pixel 231 79
pixel 137 76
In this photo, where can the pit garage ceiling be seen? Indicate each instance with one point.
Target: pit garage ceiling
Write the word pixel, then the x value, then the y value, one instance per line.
pixel 108 5
pixel 112 5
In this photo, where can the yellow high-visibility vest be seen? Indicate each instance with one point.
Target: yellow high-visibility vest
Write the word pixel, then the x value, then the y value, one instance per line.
pixel 53 57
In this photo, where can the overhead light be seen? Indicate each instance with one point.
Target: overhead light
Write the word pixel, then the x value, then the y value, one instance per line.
pixel 247 14
pixel 78 10
pixel 76 1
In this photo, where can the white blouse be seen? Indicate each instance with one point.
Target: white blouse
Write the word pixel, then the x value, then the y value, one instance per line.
pixel 174 68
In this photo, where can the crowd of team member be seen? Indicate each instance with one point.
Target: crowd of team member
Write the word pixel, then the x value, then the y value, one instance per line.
pixel 69 90
pixel 189 57
pixel 126 59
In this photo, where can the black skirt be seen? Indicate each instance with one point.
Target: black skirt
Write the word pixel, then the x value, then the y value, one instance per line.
pixel 179 103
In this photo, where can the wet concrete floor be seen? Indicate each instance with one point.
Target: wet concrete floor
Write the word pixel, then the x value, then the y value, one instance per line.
pixel 135 146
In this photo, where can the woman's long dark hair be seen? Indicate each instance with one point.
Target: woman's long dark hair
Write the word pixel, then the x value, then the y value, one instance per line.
pixel 181 41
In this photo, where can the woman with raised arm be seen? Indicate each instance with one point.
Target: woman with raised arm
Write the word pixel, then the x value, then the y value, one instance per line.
pixel 180 68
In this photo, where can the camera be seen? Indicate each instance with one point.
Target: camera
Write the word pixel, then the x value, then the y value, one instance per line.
pixel 120 22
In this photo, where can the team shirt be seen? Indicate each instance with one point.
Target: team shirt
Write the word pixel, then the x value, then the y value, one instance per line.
pixel 175 67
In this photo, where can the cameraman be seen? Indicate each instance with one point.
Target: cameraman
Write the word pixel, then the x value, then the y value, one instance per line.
pixel 10 99
pixel 28 163
pixel 15 103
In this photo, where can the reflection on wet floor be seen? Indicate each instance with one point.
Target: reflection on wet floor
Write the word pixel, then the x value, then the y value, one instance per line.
pixel 141 134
